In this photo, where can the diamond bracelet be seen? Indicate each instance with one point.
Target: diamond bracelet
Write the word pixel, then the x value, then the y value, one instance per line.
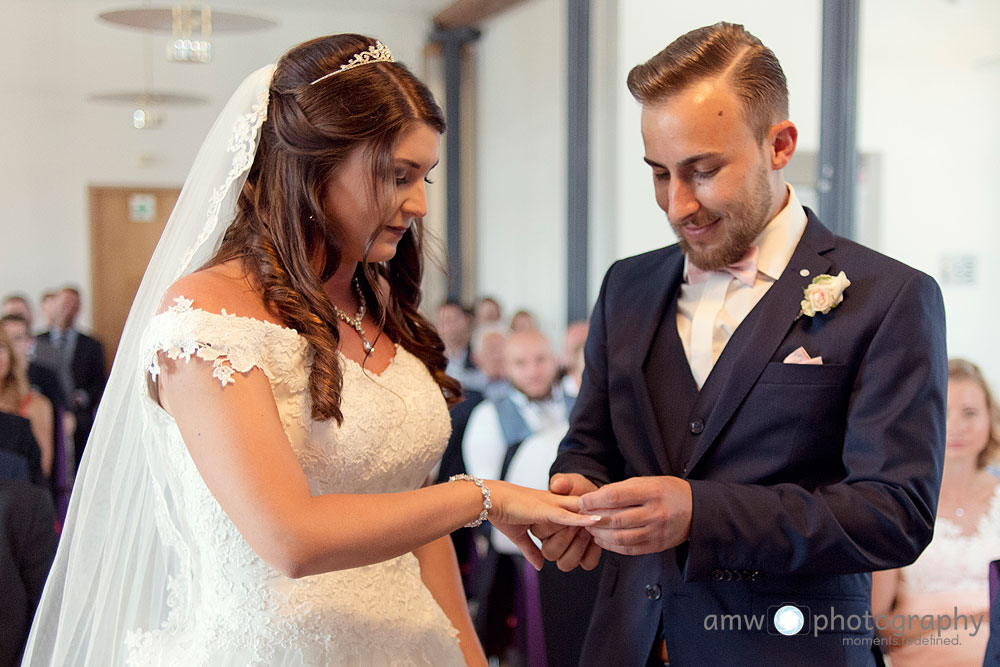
pixel 487 502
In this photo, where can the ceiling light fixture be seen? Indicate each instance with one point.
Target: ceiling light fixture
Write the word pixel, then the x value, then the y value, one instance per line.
pixel 189 21
pixel 191 26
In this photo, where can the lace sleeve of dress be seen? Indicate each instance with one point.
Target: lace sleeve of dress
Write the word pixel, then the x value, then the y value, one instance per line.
pixel 232 343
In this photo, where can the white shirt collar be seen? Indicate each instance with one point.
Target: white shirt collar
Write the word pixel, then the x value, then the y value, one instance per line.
pixel 777 241
pixel 521 400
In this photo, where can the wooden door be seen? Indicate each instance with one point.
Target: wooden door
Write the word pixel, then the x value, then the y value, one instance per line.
pixel 125 225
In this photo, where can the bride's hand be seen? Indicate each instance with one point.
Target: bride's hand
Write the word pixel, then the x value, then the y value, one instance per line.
pixel 516 508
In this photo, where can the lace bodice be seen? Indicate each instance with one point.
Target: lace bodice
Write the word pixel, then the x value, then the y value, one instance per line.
pixel 954 562
pixel 950 578
pixel 229 606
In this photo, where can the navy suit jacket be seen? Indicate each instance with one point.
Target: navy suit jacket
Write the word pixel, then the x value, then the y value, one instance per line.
pixel 804 478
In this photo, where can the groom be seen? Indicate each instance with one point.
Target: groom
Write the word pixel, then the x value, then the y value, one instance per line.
pixel 761 422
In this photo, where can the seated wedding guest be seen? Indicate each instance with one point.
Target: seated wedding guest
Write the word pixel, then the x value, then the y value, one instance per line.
pixel 27 545
pixel 255 490
pixel 49 307
pixel 452 464
pixel 534 403
pixel 487 311
pixel 488 381
pixel 575 339
pixel 78 360
pixel 16 304
pixel 523 320
pixel 42 378
pixel 951 576
pixel 488 343
pixel 496 429
pixel 454 325
pixel 16 439
pixel 18 398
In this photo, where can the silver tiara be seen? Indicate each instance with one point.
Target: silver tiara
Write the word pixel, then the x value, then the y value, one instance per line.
pixel 377 53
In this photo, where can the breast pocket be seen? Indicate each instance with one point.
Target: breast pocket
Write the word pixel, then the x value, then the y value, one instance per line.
pixel 795 417
pixel 831 375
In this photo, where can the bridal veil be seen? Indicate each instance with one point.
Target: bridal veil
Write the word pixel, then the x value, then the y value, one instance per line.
pixel 118 565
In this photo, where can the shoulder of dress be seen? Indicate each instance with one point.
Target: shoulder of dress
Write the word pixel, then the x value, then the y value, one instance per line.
pixel 233 343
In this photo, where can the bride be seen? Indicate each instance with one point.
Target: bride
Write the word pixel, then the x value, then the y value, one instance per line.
pixel 253 491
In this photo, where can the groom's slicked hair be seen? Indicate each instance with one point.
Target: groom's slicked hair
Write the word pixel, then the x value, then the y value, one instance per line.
pixel 720 50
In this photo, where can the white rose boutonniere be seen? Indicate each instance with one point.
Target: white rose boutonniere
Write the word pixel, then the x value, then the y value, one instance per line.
pixel 823 294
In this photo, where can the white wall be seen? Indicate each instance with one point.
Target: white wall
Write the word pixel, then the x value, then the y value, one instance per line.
pixel 521 161
pixel 929 90
pixel 55 143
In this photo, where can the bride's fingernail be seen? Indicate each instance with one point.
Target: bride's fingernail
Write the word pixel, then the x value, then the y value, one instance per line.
pixel 594 517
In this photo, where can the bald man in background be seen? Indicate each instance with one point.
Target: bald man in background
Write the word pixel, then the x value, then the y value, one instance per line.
pixel 534 406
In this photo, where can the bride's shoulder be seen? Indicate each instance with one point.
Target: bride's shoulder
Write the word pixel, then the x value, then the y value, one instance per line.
pixel 216 315
pixel 221 288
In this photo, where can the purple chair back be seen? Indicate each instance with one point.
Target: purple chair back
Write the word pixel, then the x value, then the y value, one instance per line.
pixel 60 473
pixel 529 610
pixel 994 581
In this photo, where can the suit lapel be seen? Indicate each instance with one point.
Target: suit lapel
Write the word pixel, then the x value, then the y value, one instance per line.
pixel 750 349
pixel 662 290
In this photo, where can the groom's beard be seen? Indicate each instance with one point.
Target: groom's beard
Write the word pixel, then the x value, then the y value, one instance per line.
pixel 740 227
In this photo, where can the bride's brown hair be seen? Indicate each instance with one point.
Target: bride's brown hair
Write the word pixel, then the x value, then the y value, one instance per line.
pixel 281 231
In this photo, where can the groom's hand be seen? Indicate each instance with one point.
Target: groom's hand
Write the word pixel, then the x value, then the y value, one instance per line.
pixel 568 546
pixel 641 515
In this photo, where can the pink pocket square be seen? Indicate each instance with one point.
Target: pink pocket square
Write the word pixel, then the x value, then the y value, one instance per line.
pixel 800 356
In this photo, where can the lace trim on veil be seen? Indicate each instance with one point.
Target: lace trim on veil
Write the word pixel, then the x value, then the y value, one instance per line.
pixel 243 146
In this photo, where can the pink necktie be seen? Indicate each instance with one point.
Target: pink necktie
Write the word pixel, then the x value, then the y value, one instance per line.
pixel 744 270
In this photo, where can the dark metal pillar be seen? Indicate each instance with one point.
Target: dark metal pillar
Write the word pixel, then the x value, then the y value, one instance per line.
pixel 578 157
pixel 453 40
pixel 838 156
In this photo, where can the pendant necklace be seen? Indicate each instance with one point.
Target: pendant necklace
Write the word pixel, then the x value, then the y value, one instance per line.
pixel 355 322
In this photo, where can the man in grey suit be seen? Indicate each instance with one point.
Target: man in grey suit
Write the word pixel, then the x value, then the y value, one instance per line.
pixel 78 360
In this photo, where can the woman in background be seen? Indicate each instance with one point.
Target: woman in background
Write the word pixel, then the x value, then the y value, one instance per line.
pixel 951 576
pixel 18 398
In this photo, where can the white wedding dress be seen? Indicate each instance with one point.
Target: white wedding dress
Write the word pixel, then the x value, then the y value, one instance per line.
pixel 229 607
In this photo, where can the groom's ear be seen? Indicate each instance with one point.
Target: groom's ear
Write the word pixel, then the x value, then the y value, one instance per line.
pixel 781 141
